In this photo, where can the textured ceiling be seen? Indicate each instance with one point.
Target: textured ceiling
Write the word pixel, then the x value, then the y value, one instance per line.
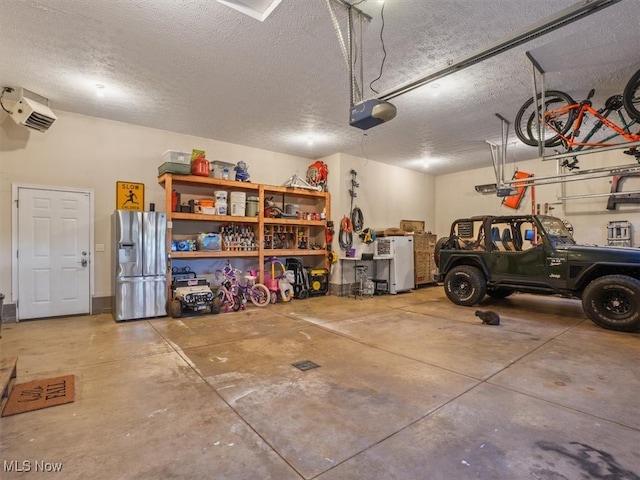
pixel 201 68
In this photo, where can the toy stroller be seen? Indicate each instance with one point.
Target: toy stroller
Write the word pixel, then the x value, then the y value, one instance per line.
pixel 301 286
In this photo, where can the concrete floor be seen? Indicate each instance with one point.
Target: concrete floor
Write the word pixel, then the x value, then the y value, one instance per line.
pixel 409 387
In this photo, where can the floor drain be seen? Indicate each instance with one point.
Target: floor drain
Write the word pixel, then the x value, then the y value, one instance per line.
pixel 305 365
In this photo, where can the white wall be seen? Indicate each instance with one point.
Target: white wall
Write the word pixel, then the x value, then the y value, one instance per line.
pixel 92 153
pixel 456 197
pixel 87 152
pixel 386 195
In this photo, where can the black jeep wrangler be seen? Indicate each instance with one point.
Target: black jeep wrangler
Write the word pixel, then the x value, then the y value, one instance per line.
pixel 499 255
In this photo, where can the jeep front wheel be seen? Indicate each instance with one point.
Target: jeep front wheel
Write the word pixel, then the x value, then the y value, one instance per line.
pixel 613 302
pixel 465 285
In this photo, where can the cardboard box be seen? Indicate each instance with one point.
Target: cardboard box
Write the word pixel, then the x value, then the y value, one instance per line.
pixel 412 226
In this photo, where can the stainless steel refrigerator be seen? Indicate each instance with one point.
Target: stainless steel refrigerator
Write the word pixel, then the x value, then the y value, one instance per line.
pixel 398 250
pixel 139 264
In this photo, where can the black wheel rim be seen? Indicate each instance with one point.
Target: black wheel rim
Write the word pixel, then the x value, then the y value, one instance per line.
pixel 461 288
pixel 617 304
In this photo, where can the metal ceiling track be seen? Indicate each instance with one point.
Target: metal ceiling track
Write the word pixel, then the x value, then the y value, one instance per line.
pixel 350 51
pixel 546 25
pixel 347 5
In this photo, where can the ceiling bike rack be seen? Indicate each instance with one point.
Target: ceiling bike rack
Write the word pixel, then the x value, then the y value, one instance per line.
pixel 564 171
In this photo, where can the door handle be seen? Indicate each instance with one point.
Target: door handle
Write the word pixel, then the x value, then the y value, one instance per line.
pixel 83 262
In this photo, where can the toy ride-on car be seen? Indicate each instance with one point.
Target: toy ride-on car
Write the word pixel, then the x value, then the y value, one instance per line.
pixel 192 293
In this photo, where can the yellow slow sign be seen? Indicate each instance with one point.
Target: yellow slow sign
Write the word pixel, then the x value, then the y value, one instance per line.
pixel 129 196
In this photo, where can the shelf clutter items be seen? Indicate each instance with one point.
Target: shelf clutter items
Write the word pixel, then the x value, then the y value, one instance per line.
pixel 196 163
pixel 211 217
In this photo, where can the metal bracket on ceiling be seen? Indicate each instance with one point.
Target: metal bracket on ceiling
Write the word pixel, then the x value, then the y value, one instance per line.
pixel 353 51
pixel 562 165
pixel 499 159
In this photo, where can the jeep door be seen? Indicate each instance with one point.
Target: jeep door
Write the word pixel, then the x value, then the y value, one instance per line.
pixel 514 259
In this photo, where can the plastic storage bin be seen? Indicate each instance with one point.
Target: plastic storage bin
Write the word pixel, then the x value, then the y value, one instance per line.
pixel 174 156
pixel 173 167
pixel 211 242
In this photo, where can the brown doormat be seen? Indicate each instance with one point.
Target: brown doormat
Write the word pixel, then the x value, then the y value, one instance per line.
pixel 38 394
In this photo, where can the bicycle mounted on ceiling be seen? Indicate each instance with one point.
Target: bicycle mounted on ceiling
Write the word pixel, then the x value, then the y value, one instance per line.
pixel 562 120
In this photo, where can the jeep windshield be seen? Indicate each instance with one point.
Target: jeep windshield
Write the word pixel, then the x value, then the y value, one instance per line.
pixel 556 230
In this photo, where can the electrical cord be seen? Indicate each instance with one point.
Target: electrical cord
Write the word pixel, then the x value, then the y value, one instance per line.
pixel 384 50
pixel 5 90
pixel 345 237
pixel 346 224
pixel 357 219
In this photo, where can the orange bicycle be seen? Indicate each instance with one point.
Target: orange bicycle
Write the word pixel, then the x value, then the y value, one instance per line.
pixel 563 119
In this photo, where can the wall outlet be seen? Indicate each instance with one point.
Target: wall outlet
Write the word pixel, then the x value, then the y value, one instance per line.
pixel 99 247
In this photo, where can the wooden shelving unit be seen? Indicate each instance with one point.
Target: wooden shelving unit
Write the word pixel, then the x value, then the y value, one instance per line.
pixel 313 231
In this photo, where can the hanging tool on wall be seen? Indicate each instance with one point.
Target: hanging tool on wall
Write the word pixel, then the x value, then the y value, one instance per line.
pixel 328 236
pixel 368 235
pixel 345 237
pixel 357 219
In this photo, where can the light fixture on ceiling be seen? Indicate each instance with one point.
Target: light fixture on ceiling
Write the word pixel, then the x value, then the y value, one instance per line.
pixel 506 191
pixel 258 9
pixel 487 188
pixel 503 191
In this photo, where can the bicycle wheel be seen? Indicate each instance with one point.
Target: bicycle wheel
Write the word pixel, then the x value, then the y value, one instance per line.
pixel 237 303
pixel 260 295
pixel 526 124
pixel 631 96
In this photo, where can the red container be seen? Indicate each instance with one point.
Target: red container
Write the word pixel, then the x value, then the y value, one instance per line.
pixel 200 166
pixel 175 201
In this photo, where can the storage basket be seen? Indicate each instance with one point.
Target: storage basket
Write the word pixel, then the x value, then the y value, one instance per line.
pixel 177 168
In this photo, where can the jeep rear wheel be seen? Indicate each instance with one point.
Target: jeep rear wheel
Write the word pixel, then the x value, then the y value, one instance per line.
pixel 465 285
pixel 613 302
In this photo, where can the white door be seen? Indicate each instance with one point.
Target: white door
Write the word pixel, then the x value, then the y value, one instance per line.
pixel 53 253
